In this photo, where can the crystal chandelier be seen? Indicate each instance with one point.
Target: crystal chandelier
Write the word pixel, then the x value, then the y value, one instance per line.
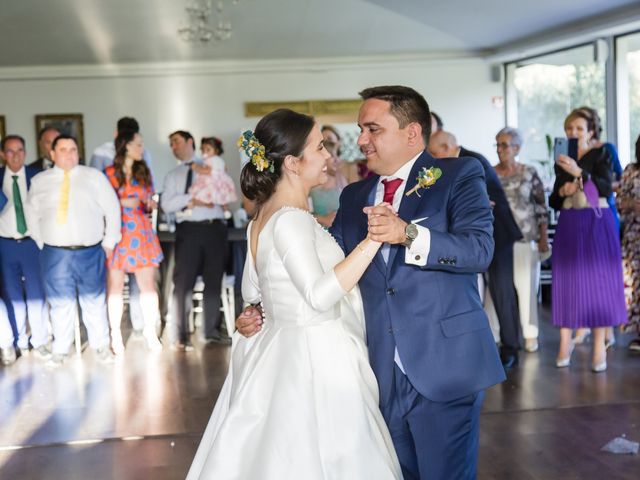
pixel 205 23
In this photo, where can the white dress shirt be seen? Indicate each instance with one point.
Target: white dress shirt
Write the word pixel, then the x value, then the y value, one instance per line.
pixel 94 209
pixel 8 223
pixel 417 254
pixel 175 200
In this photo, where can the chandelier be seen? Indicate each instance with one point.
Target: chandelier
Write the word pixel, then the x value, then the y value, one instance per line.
pixel 205 23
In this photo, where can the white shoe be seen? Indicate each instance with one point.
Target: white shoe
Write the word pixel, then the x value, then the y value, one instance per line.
pixel 565 362
pixel 153 343
pixel 600 367
pixel 579 339
pixel 531 345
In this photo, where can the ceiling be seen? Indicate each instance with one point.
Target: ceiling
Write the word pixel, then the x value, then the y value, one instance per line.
pixel 63 32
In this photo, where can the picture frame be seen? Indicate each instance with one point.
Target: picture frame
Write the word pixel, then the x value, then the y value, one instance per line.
pixel 67 123
pixel 3 127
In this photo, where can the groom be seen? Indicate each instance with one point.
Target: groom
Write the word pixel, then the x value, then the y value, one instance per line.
pixel 429 340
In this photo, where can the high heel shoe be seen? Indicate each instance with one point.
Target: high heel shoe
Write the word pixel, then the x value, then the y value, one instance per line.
pixel 579 339
pixel 599 367
pixel 609 342
pixel 566 361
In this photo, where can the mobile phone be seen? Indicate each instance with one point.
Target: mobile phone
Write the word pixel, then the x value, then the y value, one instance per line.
pixel 565 146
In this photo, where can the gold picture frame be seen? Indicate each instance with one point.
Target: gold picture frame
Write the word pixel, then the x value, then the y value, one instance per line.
pixel 67 123
pixel 316 108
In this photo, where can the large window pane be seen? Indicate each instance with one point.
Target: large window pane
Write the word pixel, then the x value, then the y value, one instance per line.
pixel 628 71
pixel 547 88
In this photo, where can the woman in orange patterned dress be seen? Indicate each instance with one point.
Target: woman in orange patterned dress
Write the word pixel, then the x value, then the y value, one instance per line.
pixel 138 251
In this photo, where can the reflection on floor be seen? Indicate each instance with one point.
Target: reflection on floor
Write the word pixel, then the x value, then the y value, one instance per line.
pixel 142 417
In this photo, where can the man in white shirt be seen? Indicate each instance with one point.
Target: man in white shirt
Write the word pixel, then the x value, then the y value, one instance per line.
pixel 19 254
pixel 76 216
pixel 201 244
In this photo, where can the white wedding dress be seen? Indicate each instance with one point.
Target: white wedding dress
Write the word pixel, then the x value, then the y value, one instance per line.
pixel 300 400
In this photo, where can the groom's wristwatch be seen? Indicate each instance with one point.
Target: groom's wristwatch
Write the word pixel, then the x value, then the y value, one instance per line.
pixel 411 232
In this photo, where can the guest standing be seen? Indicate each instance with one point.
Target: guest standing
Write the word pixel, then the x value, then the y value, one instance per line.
pixel 325 198
pixel 201 243
pixel 525 193
pixel 138 252
pixel 46 136
pixel 443 144
pixel 629 207
pixel 77 216
pixel 19 254
pixel 587 288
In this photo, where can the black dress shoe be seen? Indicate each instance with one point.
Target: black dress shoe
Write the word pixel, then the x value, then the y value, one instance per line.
pixel 509 361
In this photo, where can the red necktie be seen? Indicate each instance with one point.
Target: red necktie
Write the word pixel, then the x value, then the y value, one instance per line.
pixel 390 187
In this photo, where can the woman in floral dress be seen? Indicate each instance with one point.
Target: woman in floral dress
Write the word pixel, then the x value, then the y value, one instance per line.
pixel 138 251
pixel 525 193
pixel 629 207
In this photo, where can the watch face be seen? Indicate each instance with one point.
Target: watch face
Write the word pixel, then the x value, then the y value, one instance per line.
pixel 411 231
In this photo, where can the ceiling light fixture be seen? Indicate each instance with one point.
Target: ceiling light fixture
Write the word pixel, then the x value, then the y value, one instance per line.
pixel 204 23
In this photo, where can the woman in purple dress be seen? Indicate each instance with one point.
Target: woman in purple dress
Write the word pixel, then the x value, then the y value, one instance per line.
pixel 587 289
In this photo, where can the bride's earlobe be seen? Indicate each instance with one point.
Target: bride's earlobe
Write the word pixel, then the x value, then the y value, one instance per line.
pixel 291 164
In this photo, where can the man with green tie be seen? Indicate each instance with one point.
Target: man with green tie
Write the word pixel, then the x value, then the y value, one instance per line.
pixel 19 258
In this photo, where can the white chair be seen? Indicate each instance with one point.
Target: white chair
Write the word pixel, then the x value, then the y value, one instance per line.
pixel 228 303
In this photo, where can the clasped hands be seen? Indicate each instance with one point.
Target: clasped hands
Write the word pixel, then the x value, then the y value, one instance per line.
pixel 385 226
pixel 134 202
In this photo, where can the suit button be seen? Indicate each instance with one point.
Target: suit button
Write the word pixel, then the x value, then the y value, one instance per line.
pixel 391 291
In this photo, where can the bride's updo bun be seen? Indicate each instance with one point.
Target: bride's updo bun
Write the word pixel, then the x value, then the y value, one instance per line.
pixel 282 132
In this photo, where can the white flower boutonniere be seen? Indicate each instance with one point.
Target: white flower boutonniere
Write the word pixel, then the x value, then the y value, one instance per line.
pixel 426 178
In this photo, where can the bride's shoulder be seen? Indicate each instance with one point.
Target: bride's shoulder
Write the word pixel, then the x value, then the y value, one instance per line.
pixel 293 219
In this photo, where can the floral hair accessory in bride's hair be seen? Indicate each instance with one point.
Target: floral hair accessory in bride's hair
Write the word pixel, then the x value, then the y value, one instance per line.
pixel 255 151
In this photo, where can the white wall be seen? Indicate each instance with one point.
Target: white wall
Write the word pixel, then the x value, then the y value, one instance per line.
pixel 208 98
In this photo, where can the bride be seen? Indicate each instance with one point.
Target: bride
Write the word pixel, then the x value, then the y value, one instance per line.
pixel 300 400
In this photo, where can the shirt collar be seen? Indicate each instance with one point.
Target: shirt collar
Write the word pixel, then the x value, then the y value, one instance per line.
pixel 20 173
pixel 404 171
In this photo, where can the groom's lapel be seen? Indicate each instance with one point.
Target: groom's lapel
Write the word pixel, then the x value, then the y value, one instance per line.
pixel 410 204
pixel 367 198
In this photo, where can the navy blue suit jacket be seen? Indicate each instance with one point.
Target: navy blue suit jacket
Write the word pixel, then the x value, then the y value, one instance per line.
pixel 433 314
pixel 30 172
pixel 505 228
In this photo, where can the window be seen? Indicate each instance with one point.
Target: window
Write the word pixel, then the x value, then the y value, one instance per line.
pixel 541 92
pixel 628 90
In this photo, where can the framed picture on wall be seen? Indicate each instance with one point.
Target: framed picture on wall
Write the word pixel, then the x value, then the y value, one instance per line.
pixel 67 123
pixel 3 127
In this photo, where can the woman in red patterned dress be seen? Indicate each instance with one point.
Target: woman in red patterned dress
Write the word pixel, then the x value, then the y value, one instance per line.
pixel 138 251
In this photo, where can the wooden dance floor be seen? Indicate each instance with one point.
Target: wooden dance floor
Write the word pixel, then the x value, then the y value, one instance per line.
pixel 142 417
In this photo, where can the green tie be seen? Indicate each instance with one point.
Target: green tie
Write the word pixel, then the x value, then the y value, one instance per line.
pixel 17 203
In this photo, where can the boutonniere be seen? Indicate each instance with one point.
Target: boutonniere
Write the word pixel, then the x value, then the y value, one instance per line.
pixel 426 178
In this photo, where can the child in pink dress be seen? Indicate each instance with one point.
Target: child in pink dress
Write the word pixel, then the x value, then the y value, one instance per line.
pixel 212 183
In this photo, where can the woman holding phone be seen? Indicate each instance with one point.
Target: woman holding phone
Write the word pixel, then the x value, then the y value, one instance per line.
pixel 587 289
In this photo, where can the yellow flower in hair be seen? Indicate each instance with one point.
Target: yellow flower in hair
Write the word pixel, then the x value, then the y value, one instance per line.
pixel 255 151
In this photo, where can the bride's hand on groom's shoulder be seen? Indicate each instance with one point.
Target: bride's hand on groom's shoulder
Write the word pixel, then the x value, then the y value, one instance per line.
pixel 384 224
pixel 250 321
